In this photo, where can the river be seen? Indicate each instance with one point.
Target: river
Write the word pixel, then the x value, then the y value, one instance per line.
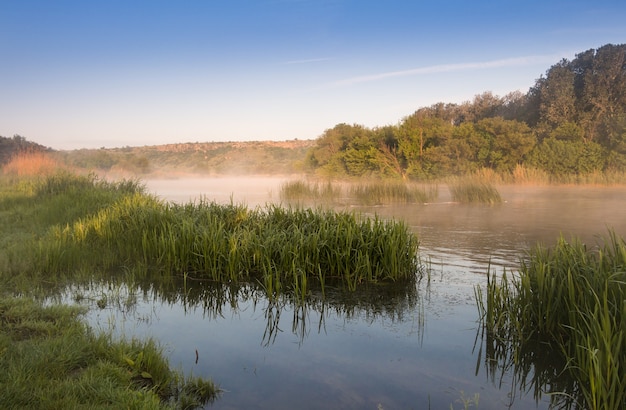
pixel 411 349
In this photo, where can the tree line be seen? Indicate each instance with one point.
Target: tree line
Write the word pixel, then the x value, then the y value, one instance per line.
pixel 572 121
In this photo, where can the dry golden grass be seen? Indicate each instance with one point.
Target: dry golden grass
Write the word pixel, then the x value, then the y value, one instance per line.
pixel 31 164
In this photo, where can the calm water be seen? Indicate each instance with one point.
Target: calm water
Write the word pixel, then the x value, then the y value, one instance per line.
pixel 404 349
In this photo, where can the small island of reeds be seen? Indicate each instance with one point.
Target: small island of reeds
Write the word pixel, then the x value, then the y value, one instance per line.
pixel 565 306
pixel 111 227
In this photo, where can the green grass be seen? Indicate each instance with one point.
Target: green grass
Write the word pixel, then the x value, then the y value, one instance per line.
pixel 48 357
pixel 473 190
pixel 380 192
pixel 282 248
pixel 51 359
pixel 571 301
pixel 80 227
pixel 300 191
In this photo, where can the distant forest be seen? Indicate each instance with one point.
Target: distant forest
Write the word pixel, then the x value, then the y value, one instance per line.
pixel 572 121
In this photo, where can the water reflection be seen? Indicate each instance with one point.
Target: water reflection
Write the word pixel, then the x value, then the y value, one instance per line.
pixel 536 369
pixel 390 302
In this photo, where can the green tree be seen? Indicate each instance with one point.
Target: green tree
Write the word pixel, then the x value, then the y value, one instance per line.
pixel 508 143
pixel 328 154
pixel 561 157
pixel 419 137
pixel 557 104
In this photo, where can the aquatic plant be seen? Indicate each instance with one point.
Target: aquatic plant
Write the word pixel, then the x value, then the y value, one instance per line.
pixel 473 190
pixel 298 191
pixel 374 192
pixel 283 248
pixel 391 192
pixel 572 301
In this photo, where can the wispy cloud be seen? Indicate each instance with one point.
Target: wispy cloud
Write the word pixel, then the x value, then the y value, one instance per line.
pixel 310 60
pixel 446 68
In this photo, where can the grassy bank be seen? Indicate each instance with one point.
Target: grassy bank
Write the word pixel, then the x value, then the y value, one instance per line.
pixel 63 228
pixel 49 357
pixel 51 360
pixel 570 301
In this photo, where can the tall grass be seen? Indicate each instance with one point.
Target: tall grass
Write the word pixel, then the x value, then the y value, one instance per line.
pixel 33 206
pixel 81 227
pixel 379 192
pixel 391 192
pixel 305 191
pixel 282 248
pixel 473 190
pixel 571 300
pixel 31 164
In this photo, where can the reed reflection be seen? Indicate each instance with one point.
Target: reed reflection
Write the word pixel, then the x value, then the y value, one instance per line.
pixel 530 368
pixel 389 301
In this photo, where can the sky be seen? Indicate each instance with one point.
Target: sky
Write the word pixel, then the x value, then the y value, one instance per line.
pixel 111 73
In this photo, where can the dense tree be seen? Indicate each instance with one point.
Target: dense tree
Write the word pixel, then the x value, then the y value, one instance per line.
pixel 557 96
pixel 572 120
pixel 419 137
pixel 328 153
pixel 559 157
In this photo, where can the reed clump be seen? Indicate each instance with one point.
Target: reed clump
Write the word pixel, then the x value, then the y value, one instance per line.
pixel 572 301
pixel 84 228
pixel 391 192
pixel 474 190
pixel 379 192
pixel 299 191
pixel 282 248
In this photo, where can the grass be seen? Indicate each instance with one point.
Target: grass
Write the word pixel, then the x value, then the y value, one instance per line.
pixel 301 191
pixel 570 300
pixel 63 228
pixel 391 192
pixel 381 192
pixel 473 190
pixel 50 359
pixel 282 248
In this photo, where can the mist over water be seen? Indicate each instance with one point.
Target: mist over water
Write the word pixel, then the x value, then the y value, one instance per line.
pixel 412 349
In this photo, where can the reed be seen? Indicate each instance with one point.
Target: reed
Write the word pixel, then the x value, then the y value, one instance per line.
pixel 298 191
pixel 29 164
pixel 391 192
pixel 282 247
pixel 572 300
pixel 473 190
pixel 379 192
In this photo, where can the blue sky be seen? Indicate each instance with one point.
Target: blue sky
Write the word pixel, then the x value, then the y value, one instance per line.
pixel 86 74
